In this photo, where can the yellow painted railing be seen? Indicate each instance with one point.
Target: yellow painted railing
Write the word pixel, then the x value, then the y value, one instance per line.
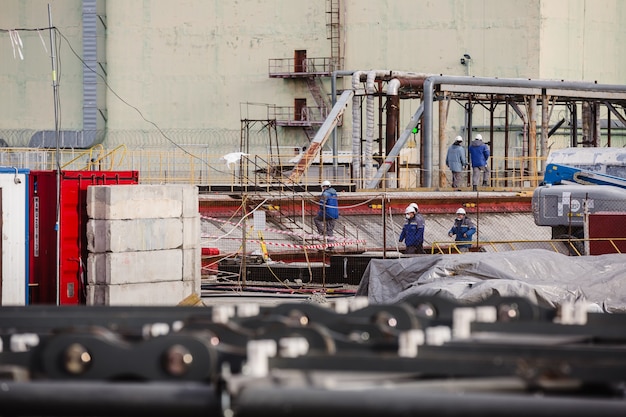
pixel 574 247
pixel 196 165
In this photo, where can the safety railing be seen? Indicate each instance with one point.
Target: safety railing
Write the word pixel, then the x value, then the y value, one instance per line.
pixel 321 65
pixel 197 165
pixel 285 115
pixel 516 171
pixel 572 247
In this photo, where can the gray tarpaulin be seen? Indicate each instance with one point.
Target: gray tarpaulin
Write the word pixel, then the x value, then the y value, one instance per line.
pixel 544 277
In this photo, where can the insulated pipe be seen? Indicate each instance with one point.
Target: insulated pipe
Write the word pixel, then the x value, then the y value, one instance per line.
pixel 370 90
pixel 431 82
pixel 390 159
pixel 384 75
pixel 356 128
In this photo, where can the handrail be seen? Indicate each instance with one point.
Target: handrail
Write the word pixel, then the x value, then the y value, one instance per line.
pixel 453 246
pixel 97 161
pixel 167 165
pixel 89 152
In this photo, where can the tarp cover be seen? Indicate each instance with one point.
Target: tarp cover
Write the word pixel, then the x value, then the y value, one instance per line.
pixel 544 277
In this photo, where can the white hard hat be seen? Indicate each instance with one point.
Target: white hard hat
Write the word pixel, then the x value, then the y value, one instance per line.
pixel 458 139
pixel 415 207
pixel 409 209
pixel 478 137
pixel 326 183
pixel 460 211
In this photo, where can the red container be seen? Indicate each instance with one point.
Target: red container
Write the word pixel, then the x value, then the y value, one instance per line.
pixel 607 225
pixel 71 238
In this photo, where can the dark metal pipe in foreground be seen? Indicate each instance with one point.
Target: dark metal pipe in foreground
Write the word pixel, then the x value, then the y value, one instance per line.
pixel 306 401
pixel 56 398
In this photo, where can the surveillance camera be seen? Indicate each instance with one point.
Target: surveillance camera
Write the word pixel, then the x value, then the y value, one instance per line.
pixel 16 180
pixel 462 61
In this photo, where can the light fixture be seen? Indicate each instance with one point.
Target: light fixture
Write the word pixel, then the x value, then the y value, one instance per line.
pixel 465 59
pixel 16 179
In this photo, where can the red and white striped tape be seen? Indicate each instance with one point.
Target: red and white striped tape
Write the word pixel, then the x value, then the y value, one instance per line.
pixel 343 242
pixel 282 232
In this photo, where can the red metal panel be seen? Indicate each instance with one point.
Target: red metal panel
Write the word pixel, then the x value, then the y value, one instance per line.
pixel 607 225
pixel 72 232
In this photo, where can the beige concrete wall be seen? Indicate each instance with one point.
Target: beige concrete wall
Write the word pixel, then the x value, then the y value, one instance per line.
pixel 189 65
pixel 27 101
pixel 423 36
pixel 583 40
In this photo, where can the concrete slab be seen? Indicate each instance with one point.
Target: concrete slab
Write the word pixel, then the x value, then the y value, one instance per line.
pixel 138 235
pixel 141 201
pixel 135 267
pixel 192 264
pixel 168 293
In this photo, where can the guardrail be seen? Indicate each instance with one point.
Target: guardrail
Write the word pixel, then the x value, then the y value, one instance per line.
pixel 197 165
pixel 572 247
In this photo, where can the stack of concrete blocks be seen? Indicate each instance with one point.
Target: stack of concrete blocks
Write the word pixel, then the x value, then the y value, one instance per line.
pixel 144 244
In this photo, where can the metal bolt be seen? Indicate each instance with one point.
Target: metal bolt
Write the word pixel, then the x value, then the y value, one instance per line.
pixel 77 359
pixel 177 360
pixel 427 310
pixel 508 312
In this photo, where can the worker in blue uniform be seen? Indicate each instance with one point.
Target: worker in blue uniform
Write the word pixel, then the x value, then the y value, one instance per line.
pixel 463 229
pixel 328 211
pixel 413 230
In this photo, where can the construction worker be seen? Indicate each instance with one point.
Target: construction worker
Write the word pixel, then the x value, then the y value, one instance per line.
pixel 328 211
pixel 456 161
pixel 413 230
pixel 479 154
pixel 463 229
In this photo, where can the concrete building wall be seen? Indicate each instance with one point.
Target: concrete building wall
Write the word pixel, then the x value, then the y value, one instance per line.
pixel 190 66
pixel 27 97
pixel 583 40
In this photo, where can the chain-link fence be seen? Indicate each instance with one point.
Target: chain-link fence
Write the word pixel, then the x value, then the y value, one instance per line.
pixel 366 226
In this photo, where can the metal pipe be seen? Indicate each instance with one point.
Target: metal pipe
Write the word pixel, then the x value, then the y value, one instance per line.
pixel 402 401
pixel 57 140
pixel 545 123
pixel 443 118
pixel 389 160
pixel 105 398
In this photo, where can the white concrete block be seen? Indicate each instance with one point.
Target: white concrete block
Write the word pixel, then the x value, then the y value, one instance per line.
pixel 135 235
pixel 135 267
pixel 192 264
pixel 139 201
pixel 191 232
pixel 190 201
pixel 167 293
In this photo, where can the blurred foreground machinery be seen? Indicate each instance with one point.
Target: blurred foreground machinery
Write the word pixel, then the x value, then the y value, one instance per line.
pixel 502 356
